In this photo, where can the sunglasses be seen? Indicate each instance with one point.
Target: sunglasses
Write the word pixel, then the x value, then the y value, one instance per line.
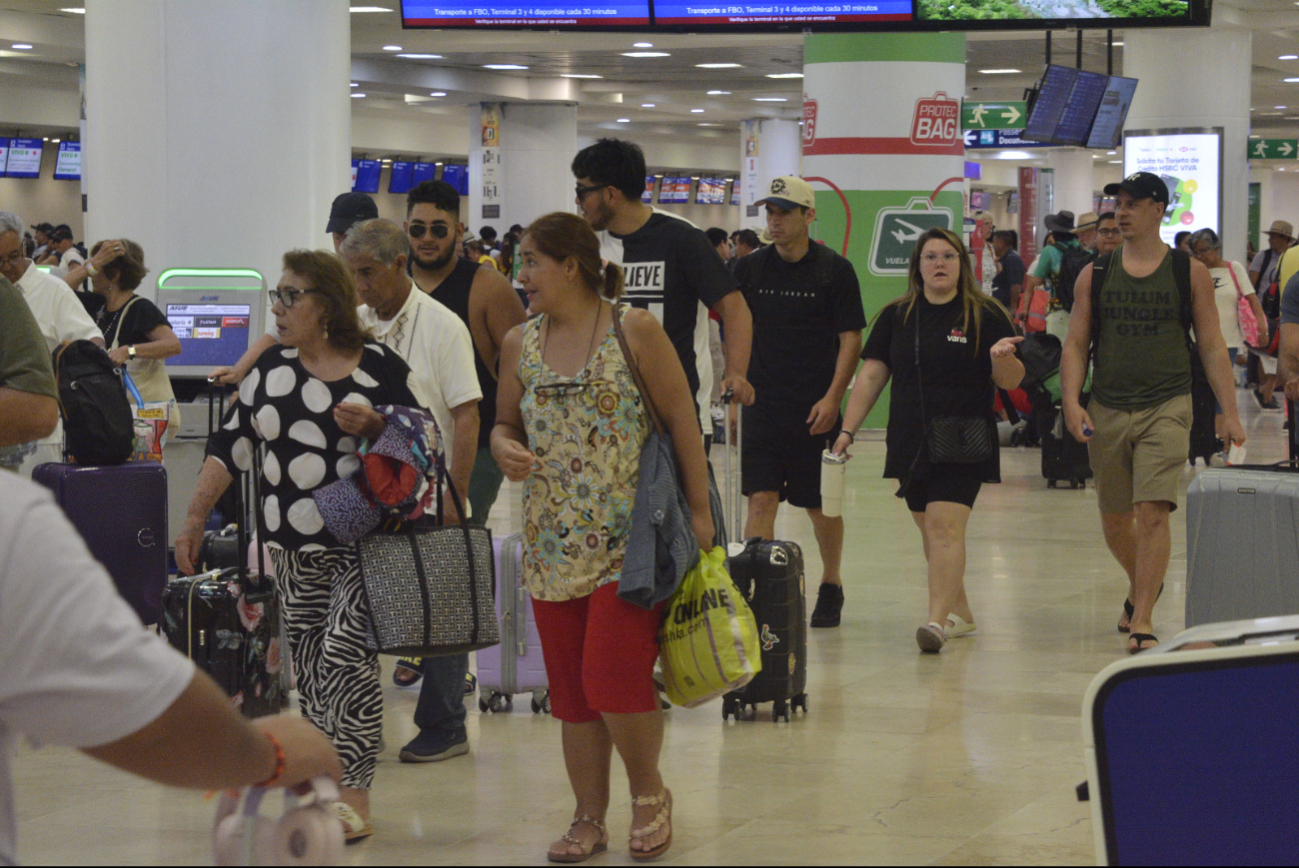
pixel 561 389
pixel 437 230
pixel 582 191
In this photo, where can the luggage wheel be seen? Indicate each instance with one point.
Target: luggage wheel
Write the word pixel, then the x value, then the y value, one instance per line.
pixel 541 702
pixel 799 702
pixel 779 709
pixel 730 707
pixel 1050 483
pixel 495 702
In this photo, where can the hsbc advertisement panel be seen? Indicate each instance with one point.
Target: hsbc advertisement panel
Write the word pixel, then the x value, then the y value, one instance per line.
pixel 1190 162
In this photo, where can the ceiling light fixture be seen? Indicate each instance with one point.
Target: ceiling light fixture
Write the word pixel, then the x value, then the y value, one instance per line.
pixel 784 75
pixel 503 66
pixel 392 48
pixel 438 93
pixel 696 111
pixel 358 96
pixel 74 10
pixel 355 84
pixel 1116 162
pixel 55 141
pixel 769 99
pixel 642 45
pixel 1289 57
pixel 624 120
pixel 1000 71
pixel 421 56
pixel 578 75
pixel 1286 80
pixel 718 65
pixel 647 105
pixel 719 93
pixel 709 124
pixel 1111 153
pixel 355 9
pixel 646 54
pixel 21 46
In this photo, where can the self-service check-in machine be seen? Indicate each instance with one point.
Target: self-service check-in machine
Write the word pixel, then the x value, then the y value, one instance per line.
pixel 217 313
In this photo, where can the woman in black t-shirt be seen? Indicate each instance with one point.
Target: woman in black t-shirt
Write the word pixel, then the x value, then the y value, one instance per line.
pixel 944 344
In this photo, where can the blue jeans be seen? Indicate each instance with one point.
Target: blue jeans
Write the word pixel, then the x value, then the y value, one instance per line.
pixel 441 706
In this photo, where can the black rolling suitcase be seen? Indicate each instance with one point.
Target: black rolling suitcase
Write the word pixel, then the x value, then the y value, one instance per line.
pixel 1064 459
pixel 1204 438
pixel 228 620
pixel 770 576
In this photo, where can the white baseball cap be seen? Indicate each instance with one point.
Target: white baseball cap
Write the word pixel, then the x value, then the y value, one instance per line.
pixel 789 192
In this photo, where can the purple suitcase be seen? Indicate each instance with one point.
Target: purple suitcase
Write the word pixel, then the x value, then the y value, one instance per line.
pixel 121 513
pixel 515 665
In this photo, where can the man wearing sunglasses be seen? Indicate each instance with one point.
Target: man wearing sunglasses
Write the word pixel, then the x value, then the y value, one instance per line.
pixel 669 265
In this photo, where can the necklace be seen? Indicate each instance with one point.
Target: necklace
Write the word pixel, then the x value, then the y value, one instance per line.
pixel 112 326
pixel 595 328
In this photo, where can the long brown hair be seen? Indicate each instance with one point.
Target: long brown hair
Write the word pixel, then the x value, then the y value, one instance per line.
pixel 560 236
pixel 973 302
pixel 335 292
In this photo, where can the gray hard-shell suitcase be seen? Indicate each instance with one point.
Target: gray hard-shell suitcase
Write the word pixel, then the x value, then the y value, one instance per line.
pixel 1242 544
pixel 516 665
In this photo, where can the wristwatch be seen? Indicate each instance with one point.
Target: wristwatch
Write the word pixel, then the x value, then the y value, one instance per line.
pixel 130 352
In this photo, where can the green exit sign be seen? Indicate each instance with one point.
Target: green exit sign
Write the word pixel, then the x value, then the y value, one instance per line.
pixel 993 115
pixel 1274 149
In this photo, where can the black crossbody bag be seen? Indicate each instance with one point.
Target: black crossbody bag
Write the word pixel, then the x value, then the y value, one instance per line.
pixel 952 439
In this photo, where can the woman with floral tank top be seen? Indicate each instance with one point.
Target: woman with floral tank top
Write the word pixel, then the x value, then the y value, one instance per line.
pixel 570 425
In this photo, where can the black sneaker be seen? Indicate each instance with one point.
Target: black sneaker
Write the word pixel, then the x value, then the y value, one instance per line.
pixel 434 747
pixel 829 603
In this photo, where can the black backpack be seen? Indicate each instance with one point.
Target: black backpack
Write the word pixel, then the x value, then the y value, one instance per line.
pixel 1072 261
pixel 98 426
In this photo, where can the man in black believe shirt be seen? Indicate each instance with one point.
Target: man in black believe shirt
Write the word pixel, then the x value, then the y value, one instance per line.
pixel 807 325
pixel 670 268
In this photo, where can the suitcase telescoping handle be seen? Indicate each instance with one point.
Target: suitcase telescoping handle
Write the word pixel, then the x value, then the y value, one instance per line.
pixel 733 500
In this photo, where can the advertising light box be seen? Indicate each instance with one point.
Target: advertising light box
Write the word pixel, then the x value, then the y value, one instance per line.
pixel 670 12
pixel 68 166
pixel 1190 163
pixel 441 13
pixel 24 158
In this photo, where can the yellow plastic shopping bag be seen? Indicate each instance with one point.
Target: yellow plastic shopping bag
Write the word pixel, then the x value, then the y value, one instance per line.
pixel 708 644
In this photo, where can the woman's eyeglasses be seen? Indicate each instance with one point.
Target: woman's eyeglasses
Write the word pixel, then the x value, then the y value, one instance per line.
pixel 287 297
pixel 437 230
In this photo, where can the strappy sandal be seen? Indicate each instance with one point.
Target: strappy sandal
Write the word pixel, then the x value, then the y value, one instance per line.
pixel 664 801
pixel 355 828
pixel 1138 638
pixel 595 849
pixel 931 637
pixel 1128 610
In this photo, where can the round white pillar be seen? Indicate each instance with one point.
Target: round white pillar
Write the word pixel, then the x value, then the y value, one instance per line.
pixel 769 148
pixel 1074 184
pixel 1168 65
pixel 536 144
pixel 217 134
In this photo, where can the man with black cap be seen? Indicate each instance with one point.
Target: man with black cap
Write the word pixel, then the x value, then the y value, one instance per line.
pixel 41 231
pixel 348 210
pixel 1134 321
pixel 1057 268
pixel 62 254
pixel 807 325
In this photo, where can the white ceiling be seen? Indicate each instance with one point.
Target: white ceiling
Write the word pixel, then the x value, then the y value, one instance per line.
pixel 400 88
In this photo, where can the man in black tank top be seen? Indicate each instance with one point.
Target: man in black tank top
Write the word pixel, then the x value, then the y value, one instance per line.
pixel 484 299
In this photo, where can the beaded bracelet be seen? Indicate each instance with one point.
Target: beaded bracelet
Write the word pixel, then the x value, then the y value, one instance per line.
pixel 280 762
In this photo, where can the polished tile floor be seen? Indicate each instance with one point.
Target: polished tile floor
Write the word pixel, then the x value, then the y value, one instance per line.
pixel 968 757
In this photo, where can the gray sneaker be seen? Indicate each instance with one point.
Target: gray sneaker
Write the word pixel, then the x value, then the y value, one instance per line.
pixel 434 747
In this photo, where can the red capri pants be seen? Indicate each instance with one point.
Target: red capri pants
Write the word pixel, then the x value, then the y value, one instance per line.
pixel 600 653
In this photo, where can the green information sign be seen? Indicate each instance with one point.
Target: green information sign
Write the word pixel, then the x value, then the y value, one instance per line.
pixel 993 115
pixel 1274 149
pixel 896 232
pixel 1255 212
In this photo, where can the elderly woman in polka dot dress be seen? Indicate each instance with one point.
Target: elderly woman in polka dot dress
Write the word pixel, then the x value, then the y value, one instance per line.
pixel 311 399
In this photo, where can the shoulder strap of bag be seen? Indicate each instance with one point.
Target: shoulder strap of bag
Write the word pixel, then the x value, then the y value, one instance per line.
pixel 825 258
pixel 120 318
pixel 1231 269
pixel 635 370
pixel 1099 269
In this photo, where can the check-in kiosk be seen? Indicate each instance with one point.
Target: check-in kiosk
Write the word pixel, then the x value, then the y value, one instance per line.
pixel 217 313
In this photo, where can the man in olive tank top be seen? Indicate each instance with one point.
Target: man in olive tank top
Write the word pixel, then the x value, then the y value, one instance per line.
pixel 1138 423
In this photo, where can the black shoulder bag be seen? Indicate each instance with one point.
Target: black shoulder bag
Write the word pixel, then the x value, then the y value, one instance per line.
pixel 953 439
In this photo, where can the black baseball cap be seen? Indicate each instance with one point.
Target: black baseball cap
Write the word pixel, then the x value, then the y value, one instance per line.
pixel 349 209
pixel 62 232
pixel 43 227
pixel 1141 185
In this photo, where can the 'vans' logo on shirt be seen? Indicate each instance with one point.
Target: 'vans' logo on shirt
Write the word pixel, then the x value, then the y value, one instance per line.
pixel 644 281
pixel 957 337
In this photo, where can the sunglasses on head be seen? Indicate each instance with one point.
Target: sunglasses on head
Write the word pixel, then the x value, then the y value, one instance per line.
pixel 437 230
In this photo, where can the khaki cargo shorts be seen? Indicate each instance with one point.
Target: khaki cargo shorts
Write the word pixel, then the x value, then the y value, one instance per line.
pixel 1138 456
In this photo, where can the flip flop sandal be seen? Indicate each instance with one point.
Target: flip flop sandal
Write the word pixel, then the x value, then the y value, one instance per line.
pixel 664 816
pixel 354 827
pixel 1138 638
pixel 596 849
pixel 960 627
pixel 407 672
pixel 1128 610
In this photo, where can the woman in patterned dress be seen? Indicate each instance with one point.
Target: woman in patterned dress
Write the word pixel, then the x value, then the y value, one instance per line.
pixel 570 425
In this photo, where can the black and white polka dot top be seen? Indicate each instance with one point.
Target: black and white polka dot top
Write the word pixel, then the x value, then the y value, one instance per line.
pixel 281 403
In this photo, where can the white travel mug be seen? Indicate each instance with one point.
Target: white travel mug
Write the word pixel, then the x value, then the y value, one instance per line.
pixel 833 469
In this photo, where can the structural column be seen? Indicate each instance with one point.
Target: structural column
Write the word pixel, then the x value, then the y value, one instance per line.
pixel 1074 178
pixel 769 148
pixel 217 134
pixel 882 144
pixel 1167 63
pixel 520 159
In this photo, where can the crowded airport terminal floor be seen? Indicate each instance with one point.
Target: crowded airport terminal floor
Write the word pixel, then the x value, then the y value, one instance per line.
pixel 369 481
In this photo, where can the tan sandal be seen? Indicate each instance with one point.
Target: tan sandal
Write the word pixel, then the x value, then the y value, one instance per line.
pixel 355 828
pixel 597 848
pixel 664 816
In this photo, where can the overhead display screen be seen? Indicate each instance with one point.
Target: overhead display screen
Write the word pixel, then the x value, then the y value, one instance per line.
pixel 799 15
pixel 449 13
pixel 365 176
pixel 1074 107
pixel 24 158
pixel 1190 163
pixel 401 177
pixel 1107 129
pixel 422 172
pixel 68 165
